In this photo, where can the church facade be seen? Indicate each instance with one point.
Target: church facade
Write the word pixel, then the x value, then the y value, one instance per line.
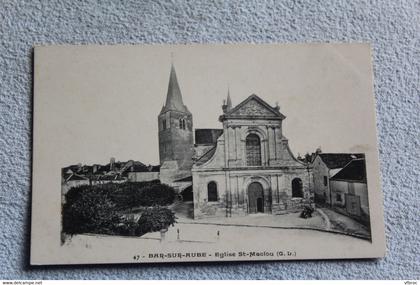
pixel 246 167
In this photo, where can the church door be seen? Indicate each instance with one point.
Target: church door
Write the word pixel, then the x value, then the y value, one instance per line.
pixel 255 198
pixel 260 205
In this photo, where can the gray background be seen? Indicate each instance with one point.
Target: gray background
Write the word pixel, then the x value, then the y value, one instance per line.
pixel 391 26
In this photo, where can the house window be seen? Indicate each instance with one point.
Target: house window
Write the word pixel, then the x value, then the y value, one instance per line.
pixel 297 188
pixel 164 124
pixel 338 197
pixel 253 150
pixel 212 191
pixel 325 181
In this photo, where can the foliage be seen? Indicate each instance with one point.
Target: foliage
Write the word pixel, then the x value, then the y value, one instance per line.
pixel 97 208
pixel 156 219
pixel 91 212
pixel 129 194
pixel 155 195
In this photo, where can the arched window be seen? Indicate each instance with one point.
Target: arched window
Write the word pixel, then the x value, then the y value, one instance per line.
pixel 164 124
pixel 182 124
pixel 212 191
pixel 297 188
pixel 253 150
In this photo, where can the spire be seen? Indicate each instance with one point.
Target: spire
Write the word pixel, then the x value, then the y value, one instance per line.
pixel 227 104
pixel 174 96
pixel 228 100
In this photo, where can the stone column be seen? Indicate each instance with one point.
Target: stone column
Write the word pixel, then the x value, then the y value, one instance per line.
pixel 239 146
pixel 226 144
pixel 274 189
pixel 264 158
pixel 241 194
pixel 272 144
pixel 231 145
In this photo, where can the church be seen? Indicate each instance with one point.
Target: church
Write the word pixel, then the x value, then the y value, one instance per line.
pixel 245 167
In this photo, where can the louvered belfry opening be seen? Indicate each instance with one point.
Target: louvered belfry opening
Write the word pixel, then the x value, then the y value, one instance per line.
pixel 253 150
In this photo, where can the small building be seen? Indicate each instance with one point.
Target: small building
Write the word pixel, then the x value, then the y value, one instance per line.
pixel 326 165
pixel 138 172
pixel 349 190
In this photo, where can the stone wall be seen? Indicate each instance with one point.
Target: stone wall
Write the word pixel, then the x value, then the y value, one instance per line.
pixel 176 143
pixel 233 191
pixel 142 176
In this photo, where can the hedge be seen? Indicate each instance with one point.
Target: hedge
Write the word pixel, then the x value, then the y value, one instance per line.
pixel 95 208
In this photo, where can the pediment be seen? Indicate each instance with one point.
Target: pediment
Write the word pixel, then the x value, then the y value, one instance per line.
pixel 253 108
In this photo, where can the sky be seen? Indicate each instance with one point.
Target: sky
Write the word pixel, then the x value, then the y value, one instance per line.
pixel 97 102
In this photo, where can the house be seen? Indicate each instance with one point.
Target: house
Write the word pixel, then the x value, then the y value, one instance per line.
pixel 349 190
pixel 113 172
pixel 326 165
pixel 136 171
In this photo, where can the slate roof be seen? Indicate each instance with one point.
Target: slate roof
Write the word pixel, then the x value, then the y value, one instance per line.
pixel 205 157
pixel 103 172
pixel 207 136
pixel 174 96
pixel 76 177
pixel 137 167
pixel 355 171
pixel 339 160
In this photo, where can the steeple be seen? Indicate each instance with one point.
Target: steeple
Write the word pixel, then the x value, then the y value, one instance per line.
pixel 174 97
pixel 228 101
pixel 175 127
pixel 227 104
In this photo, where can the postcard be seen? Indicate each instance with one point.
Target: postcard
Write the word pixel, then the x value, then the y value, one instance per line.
pixel 192 153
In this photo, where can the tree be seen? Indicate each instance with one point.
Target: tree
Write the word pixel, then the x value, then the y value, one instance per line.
pixel 156 219
pixel 89 212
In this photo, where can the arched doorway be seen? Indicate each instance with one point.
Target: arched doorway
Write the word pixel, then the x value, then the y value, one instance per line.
pixel 187 194
pixel 255 198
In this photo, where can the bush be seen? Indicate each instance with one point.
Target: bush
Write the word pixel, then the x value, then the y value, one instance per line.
pixel 88 212
pixel 129 194
pixel 96 208
pixel 155 195
pixel 136 194
pixel 155 219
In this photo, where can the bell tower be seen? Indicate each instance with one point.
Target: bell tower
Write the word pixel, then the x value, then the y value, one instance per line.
pixel 176 143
